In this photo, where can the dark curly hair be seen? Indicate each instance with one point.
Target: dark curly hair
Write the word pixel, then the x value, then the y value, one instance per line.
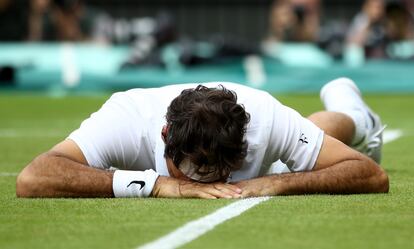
pixel 207 126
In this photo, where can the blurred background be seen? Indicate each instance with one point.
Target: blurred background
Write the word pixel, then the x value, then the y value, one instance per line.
pixel 280 46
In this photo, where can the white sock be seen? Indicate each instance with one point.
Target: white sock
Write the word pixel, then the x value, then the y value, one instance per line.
pixel 342 96
pixel 360 125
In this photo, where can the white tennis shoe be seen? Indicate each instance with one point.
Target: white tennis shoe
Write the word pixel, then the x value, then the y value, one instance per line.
pixel 371 143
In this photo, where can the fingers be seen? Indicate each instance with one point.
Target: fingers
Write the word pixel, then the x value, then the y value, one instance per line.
pixel 189 189
pixel 209 191
pixel 230 191
pixel 247 194
pixel 212 190
pixel 174 188
pixel 203 195
pixel 246 189
pixel 231 187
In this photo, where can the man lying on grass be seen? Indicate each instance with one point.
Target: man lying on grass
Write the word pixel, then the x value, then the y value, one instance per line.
pixel 214 140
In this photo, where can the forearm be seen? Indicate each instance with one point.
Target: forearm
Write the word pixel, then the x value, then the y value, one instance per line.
pixel 347 177
pixel 53 175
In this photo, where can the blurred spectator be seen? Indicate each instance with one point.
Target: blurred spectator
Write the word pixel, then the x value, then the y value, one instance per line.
pixel 410 5
pixel 367 30
pixel 399 22
pixel 294 31
pixel 294 20
pixel 156 41
pixel 378 27
pixel 38 9
pixel 146 36
pixel 12 20
pixel 64 20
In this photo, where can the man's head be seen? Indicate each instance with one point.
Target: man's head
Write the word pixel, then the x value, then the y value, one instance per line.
pixel 204 135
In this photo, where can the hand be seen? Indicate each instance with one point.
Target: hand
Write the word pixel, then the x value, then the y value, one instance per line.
pixel 169 187
pixel 263 186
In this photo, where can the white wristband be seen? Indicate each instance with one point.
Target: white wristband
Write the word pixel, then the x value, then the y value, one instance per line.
pixel 127 183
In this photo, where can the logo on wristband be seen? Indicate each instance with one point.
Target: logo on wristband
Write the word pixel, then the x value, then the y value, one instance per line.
pixel 141 183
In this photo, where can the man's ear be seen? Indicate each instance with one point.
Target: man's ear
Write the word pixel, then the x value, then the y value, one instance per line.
pixel 164 133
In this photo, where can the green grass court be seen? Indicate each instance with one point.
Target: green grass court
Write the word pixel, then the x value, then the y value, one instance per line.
pixel 31 124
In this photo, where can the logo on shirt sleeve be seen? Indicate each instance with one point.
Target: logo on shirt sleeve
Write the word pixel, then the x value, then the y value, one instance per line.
pixel 303 139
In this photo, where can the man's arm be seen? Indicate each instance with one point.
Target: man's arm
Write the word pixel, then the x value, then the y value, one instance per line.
pixel 64 172
pixel 338 170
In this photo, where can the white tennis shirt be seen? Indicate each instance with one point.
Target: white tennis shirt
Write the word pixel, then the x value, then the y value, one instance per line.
pixel 126 132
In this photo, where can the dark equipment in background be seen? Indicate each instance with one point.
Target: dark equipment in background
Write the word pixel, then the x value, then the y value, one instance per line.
pixel 7 76
pixel 66 5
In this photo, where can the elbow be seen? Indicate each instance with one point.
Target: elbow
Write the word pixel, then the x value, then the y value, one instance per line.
pixel 381 181
pixel 25 181
pixel 28 181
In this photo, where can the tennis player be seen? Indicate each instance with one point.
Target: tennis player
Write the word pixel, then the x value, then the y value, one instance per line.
pixel 214 140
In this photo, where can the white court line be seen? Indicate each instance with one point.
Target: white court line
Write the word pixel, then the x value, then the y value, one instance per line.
pixel 196 228
pixel 8 174
pixel 391 135
pixel 13 133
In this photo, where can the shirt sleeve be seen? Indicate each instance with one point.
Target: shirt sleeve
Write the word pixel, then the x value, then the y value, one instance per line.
pixel 295 140
pixel 111 136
